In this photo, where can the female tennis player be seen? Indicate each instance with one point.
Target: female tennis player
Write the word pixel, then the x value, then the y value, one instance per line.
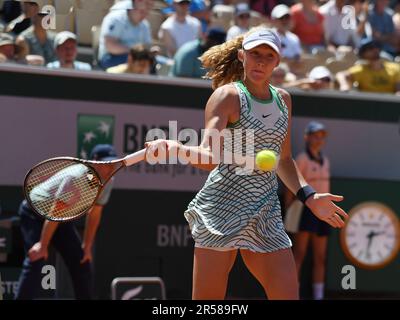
pixel 235 211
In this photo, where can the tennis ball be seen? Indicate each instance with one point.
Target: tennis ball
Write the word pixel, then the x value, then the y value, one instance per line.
pixel 266 160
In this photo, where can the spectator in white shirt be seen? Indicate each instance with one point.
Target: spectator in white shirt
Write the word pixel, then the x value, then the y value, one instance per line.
pixel 339 25
pixel 179 28
pixel 242 21
pixel 281 19
pixel 123 27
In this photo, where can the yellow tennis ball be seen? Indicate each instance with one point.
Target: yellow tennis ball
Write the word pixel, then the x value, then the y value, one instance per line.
pixel 266 160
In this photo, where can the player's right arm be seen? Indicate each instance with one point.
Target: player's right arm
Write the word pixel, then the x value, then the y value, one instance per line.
pixel 40 249
pixel 222 108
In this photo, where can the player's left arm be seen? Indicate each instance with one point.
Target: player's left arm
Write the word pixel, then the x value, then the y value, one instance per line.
pixel 320 203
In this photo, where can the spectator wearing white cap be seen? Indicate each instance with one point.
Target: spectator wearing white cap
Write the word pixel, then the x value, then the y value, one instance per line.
pixel 281 18
pixel 319 78
pixel 123 27
pixel 9 52
pixel 65 44
pixel 242 21
pixel 179 28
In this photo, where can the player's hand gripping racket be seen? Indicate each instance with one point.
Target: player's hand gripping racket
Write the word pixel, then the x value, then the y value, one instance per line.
pixel 62 189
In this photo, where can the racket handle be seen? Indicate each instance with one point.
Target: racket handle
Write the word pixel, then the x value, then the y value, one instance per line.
pixel 133 158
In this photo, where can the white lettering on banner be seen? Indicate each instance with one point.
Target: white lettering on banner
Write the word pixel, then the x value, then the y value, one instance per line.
pixel 48 121
pixel 9 287
pixel 173 235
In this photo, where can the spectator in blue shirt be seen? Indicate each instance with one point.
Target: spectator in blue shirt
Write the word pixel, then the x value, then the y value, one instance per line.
pixel 381 19
pixel 186 62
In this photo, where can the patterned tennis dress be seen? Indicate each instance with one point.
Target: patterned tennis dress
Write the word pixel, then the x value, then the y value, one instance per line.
pixel 243 211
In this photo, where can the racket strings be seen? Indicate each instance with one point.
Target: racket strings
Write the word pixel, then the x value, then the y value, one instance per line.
pixel 62 189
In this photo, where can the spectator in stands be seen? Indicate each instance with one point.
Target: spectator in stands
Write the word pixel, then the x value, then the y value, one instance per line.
pixel 186 62
pixel 9 52
pixel 199 9
pixel 65 44
pixel 307 24
pixel 7 48
pixel 282 75
pixel 373 74
pixel 242 21
pixel 263 6
pixel 291 47
pixel 364 29
pixel 381 19
pixel 29 10
pixel 121 29
pixel 339 25
pixel 140 61
pixel 37 40
pixel 11 9
pixel 179 28
pixel 319 78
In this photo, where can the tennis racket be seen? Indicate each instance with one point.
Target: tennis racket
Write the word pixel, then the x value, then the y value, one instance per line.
pixel 65 188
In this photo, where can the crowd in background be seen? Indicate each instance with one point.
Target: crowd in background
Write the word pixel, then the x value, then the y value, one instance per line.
pixel 335 44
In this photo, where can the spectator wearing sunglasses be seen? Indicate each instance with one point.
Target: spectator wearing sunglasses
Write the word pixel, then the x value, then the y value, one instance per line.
pixel 242 21
pixel 281 19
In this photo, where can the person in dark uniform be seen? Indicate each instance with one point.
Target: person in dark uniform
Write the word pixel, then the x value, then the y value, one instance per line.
pixel 38 234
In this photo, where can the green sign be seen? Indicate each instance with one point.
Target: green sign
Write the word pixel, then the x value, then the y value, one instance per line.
pixel 93 130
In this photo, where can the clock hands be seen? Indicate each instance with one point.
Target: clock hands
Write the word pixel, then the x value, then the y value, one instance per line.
pixel 371 235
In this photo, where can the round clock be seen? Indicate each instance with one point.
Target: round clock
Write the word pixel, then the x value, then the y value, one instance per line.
pixel 371 236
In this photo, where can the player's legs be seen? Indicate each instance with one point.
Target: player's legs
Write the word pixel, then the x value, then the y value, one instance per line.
pixel 319 245
pixel 300 245
pixel 276 272
pixel 67 242
pixel 210 273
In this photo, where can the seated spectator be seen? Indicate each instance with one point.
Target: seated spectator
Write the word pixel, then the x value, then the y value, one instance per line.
pixel 11 9
pixel 307 24
pixel 282 75
pixel 340 30
pixel 9 52
pixel 37 40
pixel 179 28
pixel 29 10
pixel 364 29
pixel 121 29
pixel 140 61
pixel 291 47
pixel 199 9
pixel 186 60
pixel 263 6
pixel 372 74
pixel 381 19
pixel 7 48
pixel 242 21
pixel 319 78
pixel 65 44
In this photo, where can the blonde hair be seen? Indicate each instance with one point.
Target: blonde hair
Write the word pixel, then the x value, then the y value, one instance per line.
pixel 222 61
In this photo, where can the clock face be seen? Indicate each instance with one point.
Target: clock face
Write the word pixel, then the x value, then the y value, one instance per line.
pixel 371 237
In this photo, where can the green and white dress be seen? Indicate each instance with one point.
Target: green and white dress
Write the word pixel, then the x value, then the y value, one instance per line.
pixel 243 211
